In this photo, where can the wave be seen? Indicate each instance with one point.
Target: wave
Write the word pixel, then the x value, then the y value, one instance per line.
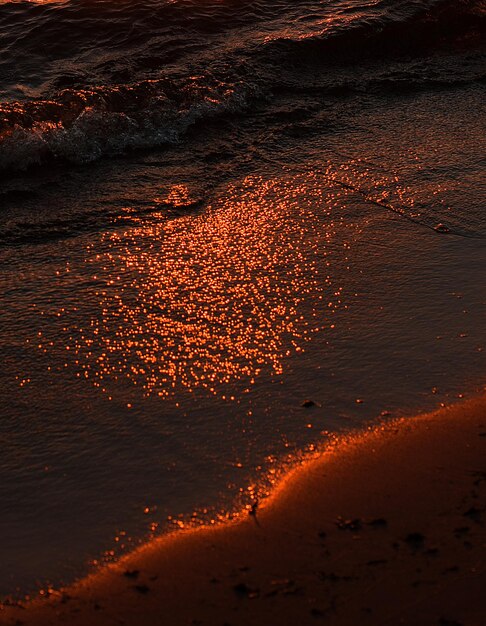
pixel 399 28
pixel 82 126
pixel 159 85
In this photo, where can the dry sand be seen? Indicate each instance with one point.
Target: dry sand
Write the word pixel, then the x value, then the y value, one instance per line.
pixel 388 527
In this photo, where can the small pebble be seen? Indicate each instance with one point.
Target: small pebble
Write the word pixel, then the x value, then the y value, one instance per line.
pixel 308 403
pixel 442 228
pixel 415 540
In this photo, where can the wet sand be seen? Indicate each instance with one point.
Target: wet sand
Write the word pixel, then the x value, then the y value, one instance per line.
pixel 386 527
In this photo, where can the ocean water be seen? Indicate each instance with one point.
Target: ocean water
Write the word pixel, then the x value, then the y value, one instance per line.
pixel 210 212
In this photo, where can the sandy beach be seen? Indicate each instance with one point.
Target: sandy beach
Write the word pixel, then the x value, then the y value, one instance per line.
pixel 385 527
pixel 242 303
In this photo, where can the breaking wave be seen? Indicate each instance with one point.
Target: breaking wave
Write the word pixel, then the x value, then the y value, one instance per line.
pixel 137 77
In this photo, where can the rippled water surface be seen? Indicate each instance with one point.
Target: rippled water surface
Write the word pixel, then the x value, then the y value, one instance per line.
pixel 211 212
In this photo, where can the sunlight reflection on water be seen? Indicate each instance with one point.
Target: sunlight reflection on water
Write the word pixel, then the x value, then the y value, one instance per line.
pixel 207 299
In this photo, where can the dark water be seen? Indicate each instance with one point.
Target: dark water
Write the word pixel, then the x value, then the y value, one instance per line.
pixel 82 80
pixel 210 212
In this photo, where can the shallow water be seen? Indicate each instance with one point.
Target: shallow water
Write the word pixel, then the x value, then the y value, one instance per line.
pixel 178 277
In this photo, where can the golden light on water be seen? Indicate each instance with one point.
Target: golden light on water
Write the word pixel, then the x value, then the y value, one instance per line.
pixel 228 290
pixel 206 299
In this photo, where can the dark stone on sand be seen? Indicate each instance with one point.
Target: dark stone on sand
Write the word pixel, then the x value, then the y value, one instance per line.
pixel 322 534
pixel 142 588
pixel 461 531
pixel 379 522
pixel 308 403
pixel 377 562
pixel 415 540
pixel 242 590
pixel 442 228
pixel 443 621
pixel 349 524
pixel 131 573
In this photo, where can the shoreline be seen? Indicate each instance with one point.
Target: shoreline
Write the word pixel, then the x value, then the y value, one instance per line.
pixel 385 527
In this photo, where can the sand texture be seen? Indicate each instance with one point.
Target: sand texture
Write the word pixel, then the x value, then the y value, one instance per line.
pixel 387 527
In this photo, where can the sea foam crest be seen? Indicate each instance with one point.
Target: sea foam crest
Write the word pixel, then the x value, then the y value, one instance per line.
pixel 97 131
